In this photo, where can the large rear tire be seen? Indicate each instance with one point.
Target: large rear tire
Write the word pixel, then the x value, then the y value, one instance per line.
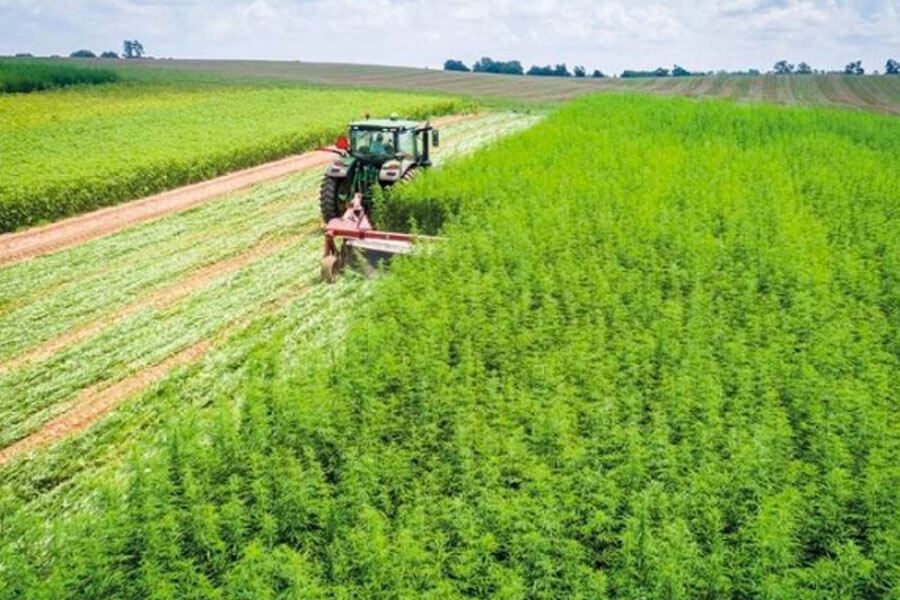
pixel 329 198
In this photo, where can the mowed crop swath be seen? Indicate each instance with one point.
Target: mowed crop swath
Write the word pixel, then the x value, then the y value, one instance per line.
pixel 74 150
pixel 656 357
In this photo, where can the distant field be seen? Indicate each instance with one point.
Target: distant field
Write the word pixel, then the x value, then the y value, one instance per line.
pixel 73 150
pixel 877 93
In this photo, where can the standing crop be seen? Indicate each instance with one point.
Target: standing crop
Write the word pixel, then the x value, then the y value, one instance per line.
pixel 22 76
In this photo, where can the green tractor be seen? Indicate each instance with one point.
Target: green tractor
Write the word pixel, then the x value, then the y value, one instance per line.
pixel 379 151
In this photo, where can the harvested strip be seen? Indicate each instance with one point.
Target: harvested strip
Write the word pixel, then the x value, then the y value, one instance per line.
pixel 99 399
pixel 159 299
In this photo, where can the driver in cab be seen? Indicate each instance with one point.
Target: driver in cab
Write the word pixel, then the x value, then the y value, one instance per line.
pixel 380 147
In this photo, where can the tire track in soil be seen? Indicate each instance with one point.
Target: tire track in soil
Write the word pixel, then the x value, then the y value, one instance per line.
pixel 159 299
pixel 15 247
pixel 94 402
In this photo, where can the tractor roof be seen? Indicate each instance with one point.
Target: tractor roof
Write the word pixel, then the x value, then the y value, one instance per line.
pixel 385 124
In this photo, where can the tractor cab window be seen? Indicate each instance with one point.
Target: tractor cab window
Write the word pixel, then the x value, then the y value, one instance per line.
pixel 372 142
pixel 406 143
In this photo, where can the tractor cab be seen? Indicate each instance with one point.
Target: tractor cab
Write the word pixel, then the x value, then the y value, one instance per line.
pixel 376 152
pixel 384 139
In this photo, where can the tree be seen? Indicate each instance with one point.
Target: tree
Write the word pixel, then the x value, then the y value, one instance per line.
pixel 455 65
pixel 561 70
pixel 854 68
pixel 661 72
pixel 598 74
pixel 109 54
pixel 513 67
pixel 488 65
pixel 132 49
pixel 804 69
pixel 678 71
pixel 580 71
pixel 783 67
pixel 83 54
pixel 892 67
pixel 548 71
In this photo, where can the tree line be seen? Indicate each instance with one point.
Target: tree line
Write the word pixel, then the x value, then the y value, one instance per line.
pixel 514 67
pixel 130 49
pixel 854 67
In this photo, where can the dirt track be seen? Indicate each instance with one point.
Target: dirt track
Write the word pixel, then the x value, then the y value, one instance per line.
pixel 76 230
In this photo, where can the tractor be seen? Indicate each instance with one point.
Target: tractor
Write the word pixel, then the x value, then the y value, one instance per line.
pixel 378 152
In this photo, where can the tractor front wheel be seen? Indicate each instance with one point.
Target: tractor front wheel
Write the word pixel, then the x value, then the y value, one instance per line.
pixel 409 175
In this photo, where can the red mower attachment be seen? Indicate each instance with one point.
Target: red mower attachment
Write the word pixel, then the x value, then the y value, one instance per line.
pixel 358 236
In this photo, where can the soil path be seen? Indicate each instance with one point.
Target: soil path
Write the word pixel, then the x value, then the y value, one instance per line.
pixel 26 244
pixel 76 230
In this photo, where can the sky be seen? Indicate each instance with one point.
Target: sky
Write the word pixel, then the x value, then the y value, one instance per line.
pixel 609 35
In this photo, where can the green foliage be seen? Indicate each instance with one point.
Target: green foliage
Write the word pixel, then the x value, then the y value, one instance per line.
pixel 656 358
pixel 22 75
pixel 78 150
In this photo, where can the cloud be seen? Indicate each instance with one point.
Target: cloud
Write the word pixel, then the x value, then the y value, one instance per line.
pixel 608 34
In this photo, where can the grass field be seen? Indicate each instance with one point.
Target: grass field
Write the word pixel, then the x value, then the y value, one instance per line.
pixel 669 375
pixel 77 149
pixel 876 93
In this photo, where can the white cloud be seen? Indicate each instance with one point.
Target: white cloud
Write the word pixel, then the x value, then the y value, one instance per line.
pixel 609 34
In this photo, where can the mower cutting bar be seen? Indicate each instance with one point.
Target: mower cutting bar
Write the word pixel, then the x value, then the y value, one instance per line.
pixel 373 244
pixel 347 229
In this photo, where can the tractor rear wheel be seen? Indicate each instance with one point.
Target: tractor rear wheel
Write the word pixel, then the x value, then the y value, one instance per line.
pixel 330 201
